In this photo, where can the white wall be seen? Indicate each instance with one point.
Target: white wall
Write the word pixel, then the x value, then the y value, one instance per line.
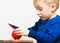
pixel 17 12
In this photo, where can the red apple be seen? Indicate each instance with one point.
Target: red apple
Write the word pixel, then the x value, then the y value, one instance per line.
pixel 16 37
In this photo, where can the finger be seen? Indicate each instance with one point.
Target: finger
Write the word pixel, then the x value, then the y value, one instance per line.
pixel 18 34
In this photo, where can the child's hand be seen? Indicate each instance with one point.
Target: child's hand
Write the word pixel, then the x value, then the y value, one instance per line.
pixel 23 32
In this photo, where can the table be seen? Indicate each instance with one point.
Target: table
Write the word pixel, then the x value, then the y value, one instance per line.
pixel 16 41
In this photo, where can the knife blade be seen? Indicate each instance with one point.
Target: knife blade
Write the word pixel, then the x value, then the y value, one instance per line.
pixel 13 26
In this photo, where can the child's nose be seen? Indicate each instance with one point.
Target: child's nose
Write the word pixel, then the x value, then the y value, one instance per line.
pixel 39 13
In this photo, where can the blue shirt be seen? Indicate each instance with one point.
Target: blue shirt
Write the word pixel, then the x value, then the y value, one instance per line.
pixel 47 31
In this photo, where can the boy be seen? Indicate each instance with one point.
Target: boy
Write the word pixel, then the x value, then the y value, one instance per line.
pixel 47 29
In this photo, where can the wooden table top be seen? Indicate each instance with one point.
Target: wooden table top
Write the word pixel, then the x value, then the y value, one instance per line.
pixel 16 41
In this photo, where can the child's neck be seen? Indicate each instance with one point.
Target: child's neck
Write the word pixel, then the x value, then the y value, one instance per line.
pixel 53 15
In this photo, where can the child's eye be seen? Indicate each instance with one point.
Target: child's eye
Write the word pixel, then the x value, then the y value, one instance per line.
pixel 40 9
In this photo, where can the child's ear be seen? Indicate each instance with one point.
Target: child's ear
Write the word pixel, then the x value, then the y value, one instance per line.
pixel 53 7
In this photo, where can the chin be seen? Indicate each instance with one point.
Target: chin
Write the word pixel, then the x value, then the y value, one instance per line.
pixel 43 19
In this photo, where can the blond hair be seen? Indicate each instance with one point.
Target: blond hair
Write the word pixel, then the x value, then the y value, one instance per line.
pixel 49 2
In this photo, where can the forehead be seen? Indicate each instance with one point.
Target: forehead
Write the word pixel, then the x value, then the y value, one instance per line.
pixel 40 5
pixel 39 2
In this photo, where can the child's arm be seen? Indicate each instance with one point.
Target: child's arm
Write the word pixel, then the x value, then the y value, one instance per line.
pixel 25 32
pixel 49 37
pixel 35 27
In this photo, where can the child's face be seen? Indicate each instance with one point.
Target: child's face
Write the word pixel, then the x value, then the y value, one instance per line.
pixel 43 10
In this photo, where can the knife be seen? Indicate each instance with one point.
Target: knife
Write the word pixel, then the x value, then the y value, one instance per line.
pixel 13 26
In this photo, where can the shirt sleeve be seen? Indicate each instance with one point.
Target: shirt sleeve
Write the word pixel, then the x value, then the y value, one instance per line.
pixel 35 26
pixel 34 29
pixel 49 37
